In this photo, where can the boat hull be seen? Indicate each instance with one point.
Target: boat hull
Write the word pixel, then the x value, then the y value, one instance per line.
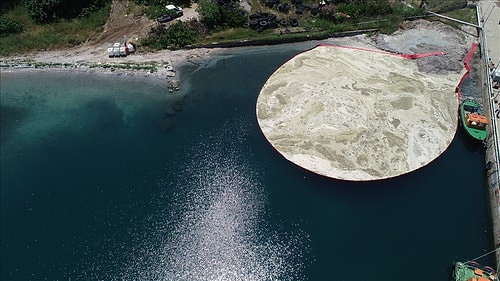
pixel 473 108
pixel 466 271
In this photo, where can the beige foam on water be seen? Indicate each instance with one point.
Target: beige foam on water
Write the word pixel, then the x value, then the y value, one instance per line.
pixel 357 114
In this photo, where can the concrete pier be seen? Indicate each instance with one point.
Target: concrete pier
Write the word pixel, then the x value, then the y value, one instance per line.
pixel 488 13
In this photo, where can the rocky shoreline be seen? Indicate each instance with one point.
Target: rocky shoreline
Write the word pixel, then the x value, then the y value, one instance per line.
pixel 160 65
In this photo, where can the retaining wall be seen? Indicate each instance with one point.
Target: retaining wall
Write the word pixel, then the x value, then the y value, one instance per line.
pixel 492 153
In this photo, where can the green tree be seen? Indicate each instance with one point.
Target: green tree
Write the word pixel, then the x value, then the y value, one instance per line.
pixel 176 36
pixel 211 13
pixel 8 4
pixel 233 18
pixel 43 11
pixel 47 11
pixel 9 26
pixel 359 9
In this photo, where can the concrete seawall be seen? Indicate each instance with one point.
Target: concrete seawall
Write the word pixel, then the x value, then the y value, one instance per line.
pixel 492 153
pixel 492 170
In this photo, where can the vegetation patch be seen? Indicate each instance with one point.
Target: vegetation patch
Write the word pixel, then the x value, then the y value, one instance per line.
pixel 34 25
pixel 56 35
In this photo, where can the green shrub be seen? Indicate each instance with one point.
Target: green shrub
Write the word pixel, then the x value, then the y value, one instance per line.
pixel 61 34
pixel 405 11
pixel 360 9
pixel 176 36
pixel 233 18
pixel 9 26
pixel 48 11
pixel 42 11
pixel 154 11
pixel 179 35
pixel 6 5
pixel 211 13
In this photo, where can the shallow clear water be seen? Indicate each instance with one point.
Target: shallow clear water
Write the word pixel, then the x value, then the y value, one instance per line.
pixel 92 189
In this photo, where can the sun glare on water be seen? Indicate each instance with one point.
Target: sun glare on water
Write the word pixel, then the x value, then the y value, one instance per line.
pixel 216 227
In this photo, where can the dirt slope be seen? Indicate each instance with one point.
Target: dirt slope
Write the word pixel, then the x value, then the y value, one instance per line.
pixel 127 22
pixel 124 22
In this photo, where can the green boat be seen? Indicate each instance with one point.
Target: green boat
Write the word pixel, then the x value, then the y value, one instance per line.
pixel 473 119
pixel 472 271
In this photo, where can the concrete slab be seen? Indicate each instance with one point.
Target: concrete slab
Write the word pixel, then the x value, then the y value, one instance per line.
pixel 490 19
pixel 490 16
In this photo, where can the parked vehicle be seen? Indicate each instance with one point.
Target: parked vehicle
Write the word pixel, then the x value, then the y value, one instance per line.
pixel 172 12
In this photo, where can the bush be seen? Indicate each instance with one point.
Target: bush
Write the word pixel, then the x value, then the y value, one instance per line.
pixel 233 18
pixel 9 26
pixel 179 35
pixel 405 11
pixel 176 36
pixel 42 11
pixel 154 11
pixel 8 4
pixel 211 13
pixel 48 11
pixel 359 9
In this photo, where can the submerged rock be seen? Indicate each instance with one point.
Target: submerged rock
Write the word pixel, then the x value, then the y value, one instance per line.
pixel 173 85
pixel 165 124
pixel 177 106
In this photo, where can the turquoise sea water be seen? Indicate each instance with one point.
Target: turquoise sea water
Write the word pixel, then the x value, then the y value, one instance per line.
pixel 92 189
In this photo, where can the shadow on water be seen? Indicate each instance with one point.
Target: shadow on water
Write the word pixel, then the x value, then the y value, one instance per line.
pixel 472 145
pixel 470 89
pixel 101 114
pixel 10 118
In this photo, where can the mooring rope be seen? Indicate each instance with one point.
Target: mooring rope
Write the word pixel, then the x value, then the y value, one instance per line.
pixel 488 253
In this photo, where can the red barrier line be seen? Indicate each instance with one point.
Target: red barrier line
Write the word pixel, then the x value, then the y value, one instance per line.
pixel 406 56
pixel 467 68
pixel 417 56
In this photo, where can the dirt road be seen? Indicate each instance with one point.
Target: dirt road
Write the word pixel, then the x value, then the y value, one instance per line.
pixel 127 22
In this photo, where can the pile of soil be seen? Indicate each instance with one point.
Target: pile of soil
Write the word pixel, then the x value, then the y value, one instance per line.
pixel 422 36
